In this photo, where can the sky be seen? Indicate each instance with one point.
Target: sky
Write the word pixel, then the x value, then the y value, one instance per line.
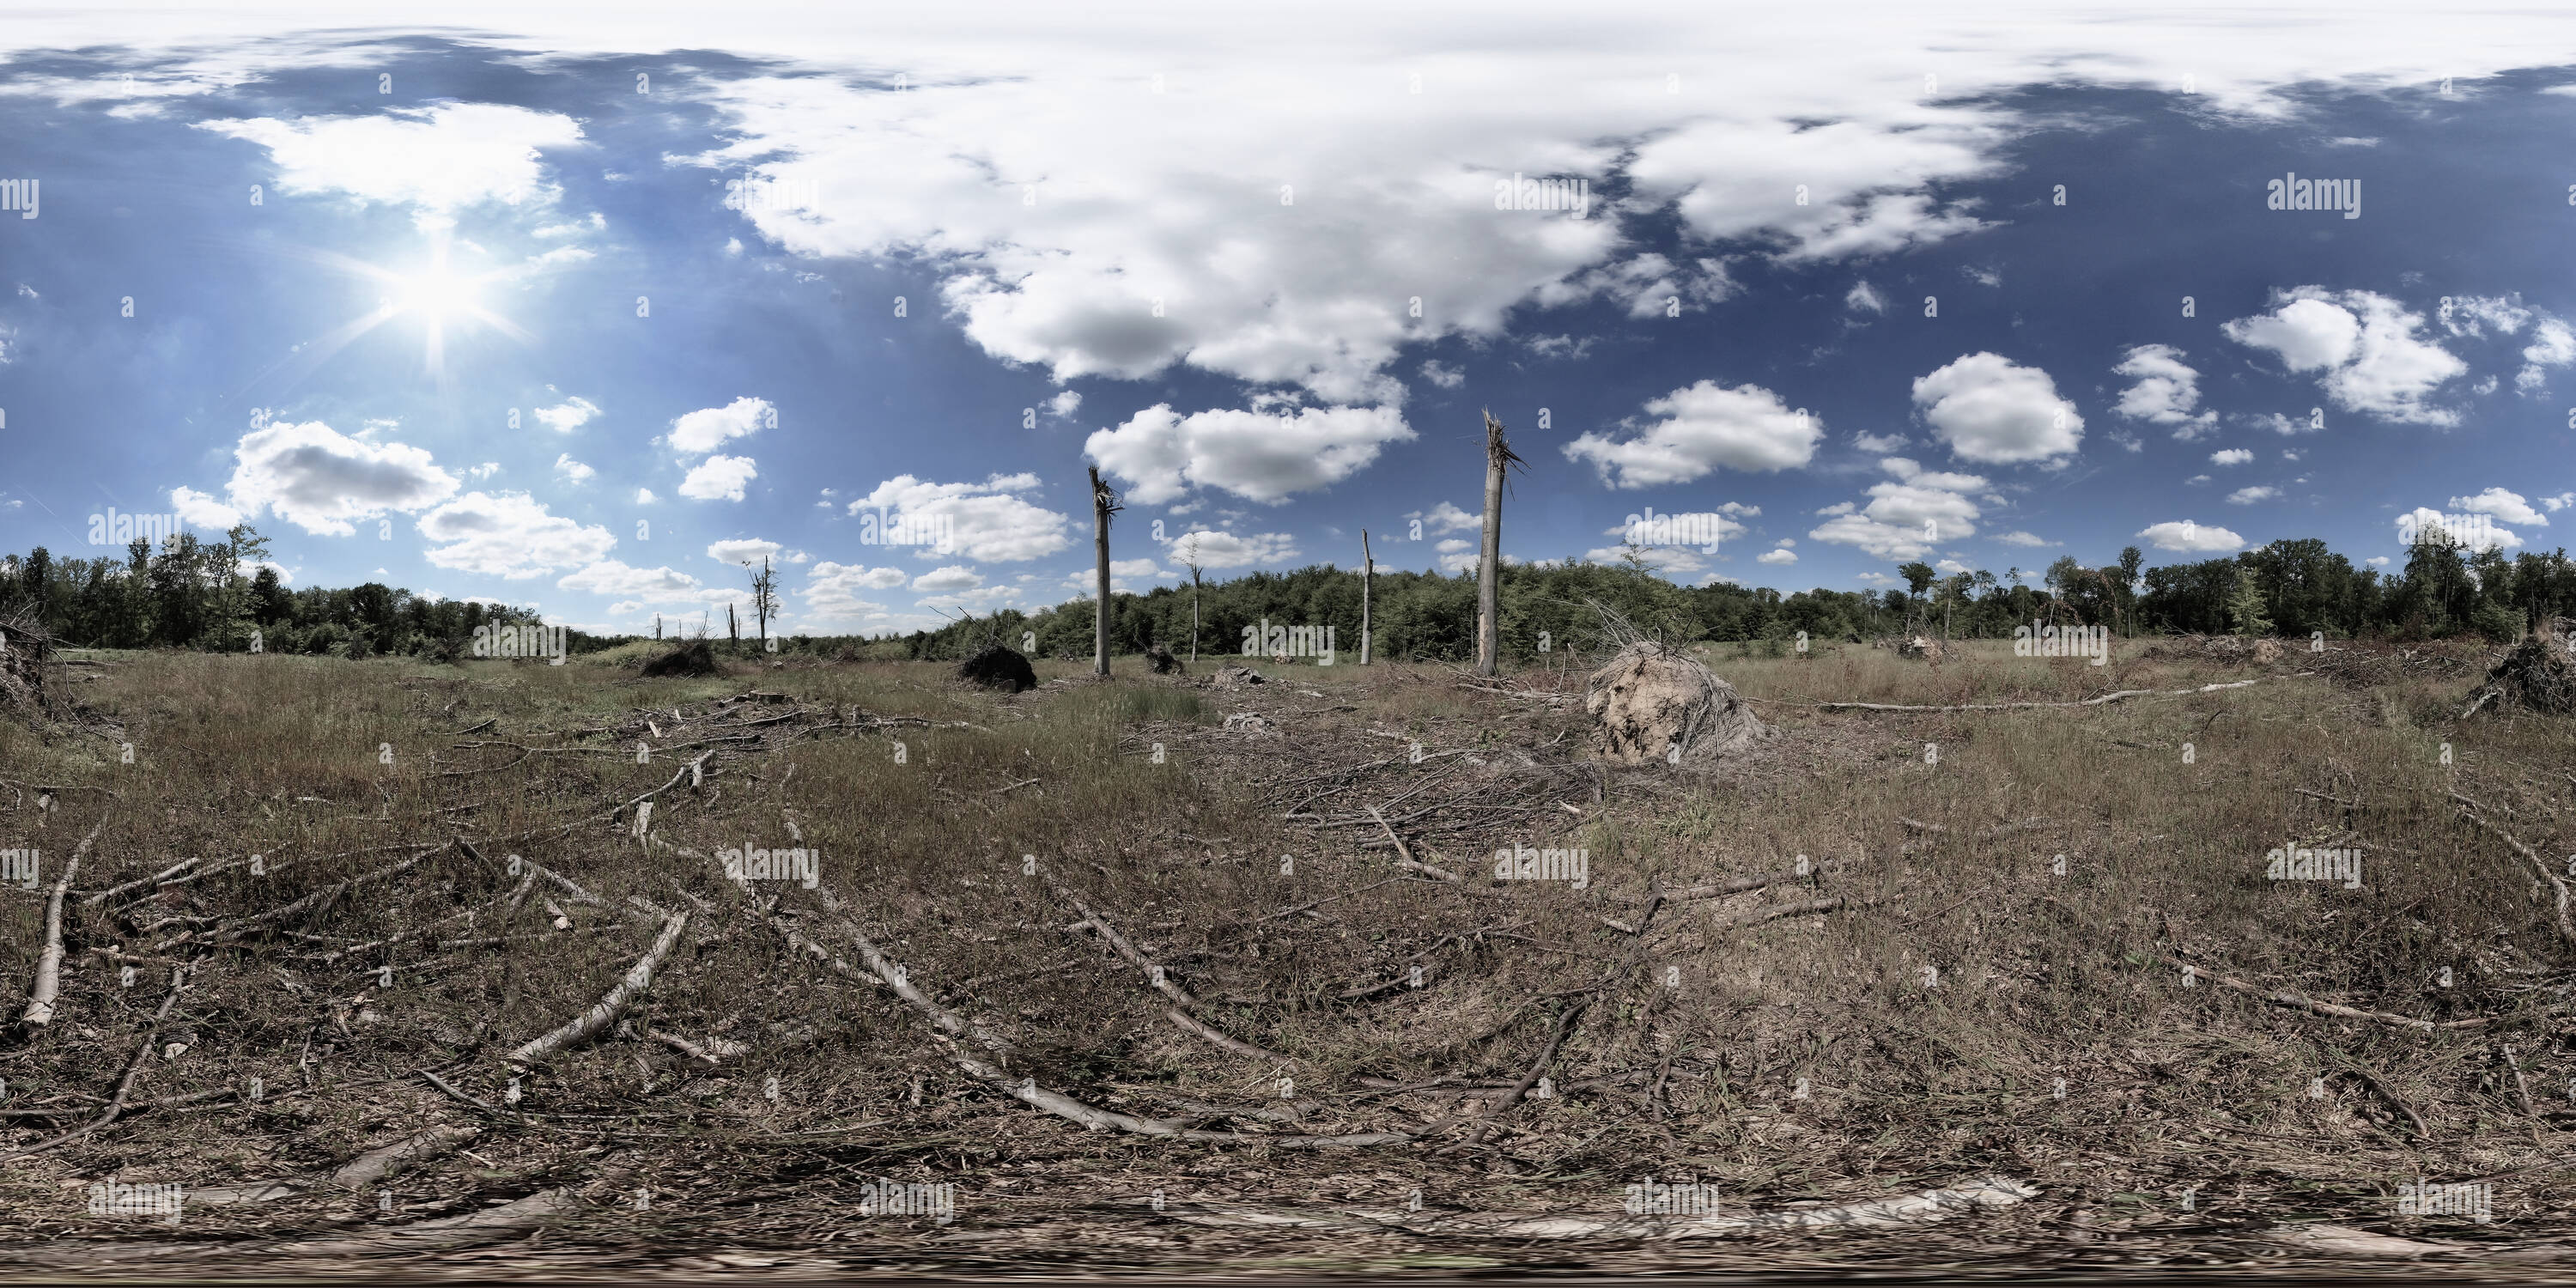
pixel 582 306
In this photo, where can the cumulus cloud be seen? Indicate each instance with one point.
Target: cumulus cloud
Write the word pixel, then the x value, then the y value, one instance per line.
pixel 742 550
pixel 509 535
pixel 1781 556
pixel 1229 550
pixel 2504 505
pixel 1063 405
pixel 1879 443
pixel 651 585
pixel 2252 495
pixel 197 509
pixel 831 598
pixel 2477 536
pixel 323 481
pixel 565 417
pixel 2018 538
pixel 437 160
pixel 2186 537
pixel 1992 410
pixel 1864 298
pixel 2167 391
pixel 1703 427
pixel 573 471
pixel 2552 345
pixel 986 522
pixel 2231 456
pixel 1443 376
pixel 708 429
pixel 1445 517
pixel 1263 455
pixel 718 478
pixel 1906 517
pixel 954 577
pixel 2363 345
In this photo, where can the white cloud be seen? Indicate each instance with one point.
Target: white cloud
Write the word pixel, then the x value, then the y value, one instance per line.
pixel 1780 556
pixel 952 578
pixel 509 535
pixel 1445 377
pixel 708 429
pixel 652 585
pixel 2483 536
pixel 323 481
pixel 2554 504
pixel 2167 391
pixel 742 550
pixel 1063 405
pixel 1445 517
pixel 197 509
pixel 483 471
pixel 437 160
pixel 2471 315
pixel 2552 345
pixel 1704 427
pixel 1989 409
pixel 2024 539
pixel 644 496
pixel 2377 561
pixel 2185 537
pixel 2504 505
pixel 2365 346
pixel 2231 456
pixel 1258 455
pixel 571 414
pixel 1879 443
pixel 573 471
pixel 2252 495
pixel 985 521
pixel 1905 518
pixel 831 596
pixel 1863 298
pixel 1228 550
pixel 718 478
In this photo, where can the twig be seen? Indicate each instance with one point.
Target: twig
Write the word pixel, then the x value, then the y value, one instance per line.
pixel 124 1085
pixel 2006 706
pixel 2296 1002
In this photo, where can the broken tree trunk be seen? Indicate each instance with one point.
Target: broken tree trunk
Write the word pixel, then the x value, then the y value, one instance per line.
pixel 1368 573
pixel 49 962
pixel 1104 503
pixel 1489 570
pixel 591 1022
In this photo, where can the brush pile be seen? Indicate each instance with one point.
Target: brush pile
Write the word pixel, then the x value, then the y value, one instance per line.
pixel 1651 702
pixel 688 660
pixel 2539 674
pixel 996 667
pixel 24 648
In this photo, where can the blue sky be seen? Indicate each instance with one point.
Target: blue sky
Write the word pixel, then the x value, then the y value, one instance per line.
pixel 1259 277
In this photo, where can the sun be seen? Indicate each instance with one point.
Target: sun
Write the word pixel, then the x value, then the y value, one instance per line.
pixel 438 294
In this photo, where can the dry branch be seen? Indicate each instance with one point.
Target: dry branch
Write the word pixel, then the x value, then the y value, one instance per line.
pixel 49 962
pixel 2009 706
pixel 1163 982
pixel 2566 926
pixel 124 1085
pixel 2298 1003
pixel 588 1024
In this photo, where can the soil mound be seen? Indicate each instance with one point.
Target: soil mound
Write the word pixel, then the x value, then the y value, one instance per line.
pixel 1650 700
pixel 690 659
pixel 996 667
pixel 1231 676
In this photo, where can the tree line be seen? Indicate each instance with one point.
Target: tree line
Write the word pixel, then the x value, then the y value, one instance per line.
pixel 216 595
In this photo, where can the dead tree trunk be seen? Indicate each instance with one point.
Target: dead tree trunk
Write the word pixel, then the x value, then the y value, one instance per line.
pixel 1104 503
pixel 1368 573
pixel 733 628
pixel 1489 563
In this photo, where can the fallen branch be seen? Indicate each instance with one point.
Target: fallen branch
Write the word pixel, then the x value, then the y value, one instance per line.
pixel 2566 926
pixel 1162 981
pixel 1928 1205
pixel 2298 1003
pixel 588 1024
pixel 124 1085
pixel 49 962
pixel 1485 1121
pixel 2120 696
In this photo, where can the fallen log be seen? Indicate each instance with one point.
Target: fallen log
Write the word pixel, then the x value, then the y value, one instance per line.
pixel 589 1023
pixel 49 961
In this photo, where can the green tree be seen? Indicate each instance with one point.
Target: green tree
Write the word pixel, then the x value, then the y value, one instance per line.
pixel 2245 606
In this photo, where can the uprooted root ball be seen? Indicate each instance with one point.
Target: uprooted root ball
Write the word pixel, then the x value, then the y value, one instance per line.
pixel 1649 700
pixel 996 667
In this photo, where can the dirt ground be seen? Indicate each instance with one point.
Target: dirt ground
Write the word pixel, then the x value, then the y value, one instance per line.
pixel 1161 976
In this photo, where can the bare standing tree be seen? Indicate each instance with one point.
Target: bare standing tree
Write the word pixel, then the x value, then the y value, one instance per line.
pixel 1368 573
pixel 1190 560
pixel 1489 571
pixel 764 596
pixel 1104 503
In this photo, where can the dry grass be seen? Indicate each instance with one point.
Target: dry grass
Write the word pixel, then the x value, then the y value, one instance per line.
pixel 1694 1037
